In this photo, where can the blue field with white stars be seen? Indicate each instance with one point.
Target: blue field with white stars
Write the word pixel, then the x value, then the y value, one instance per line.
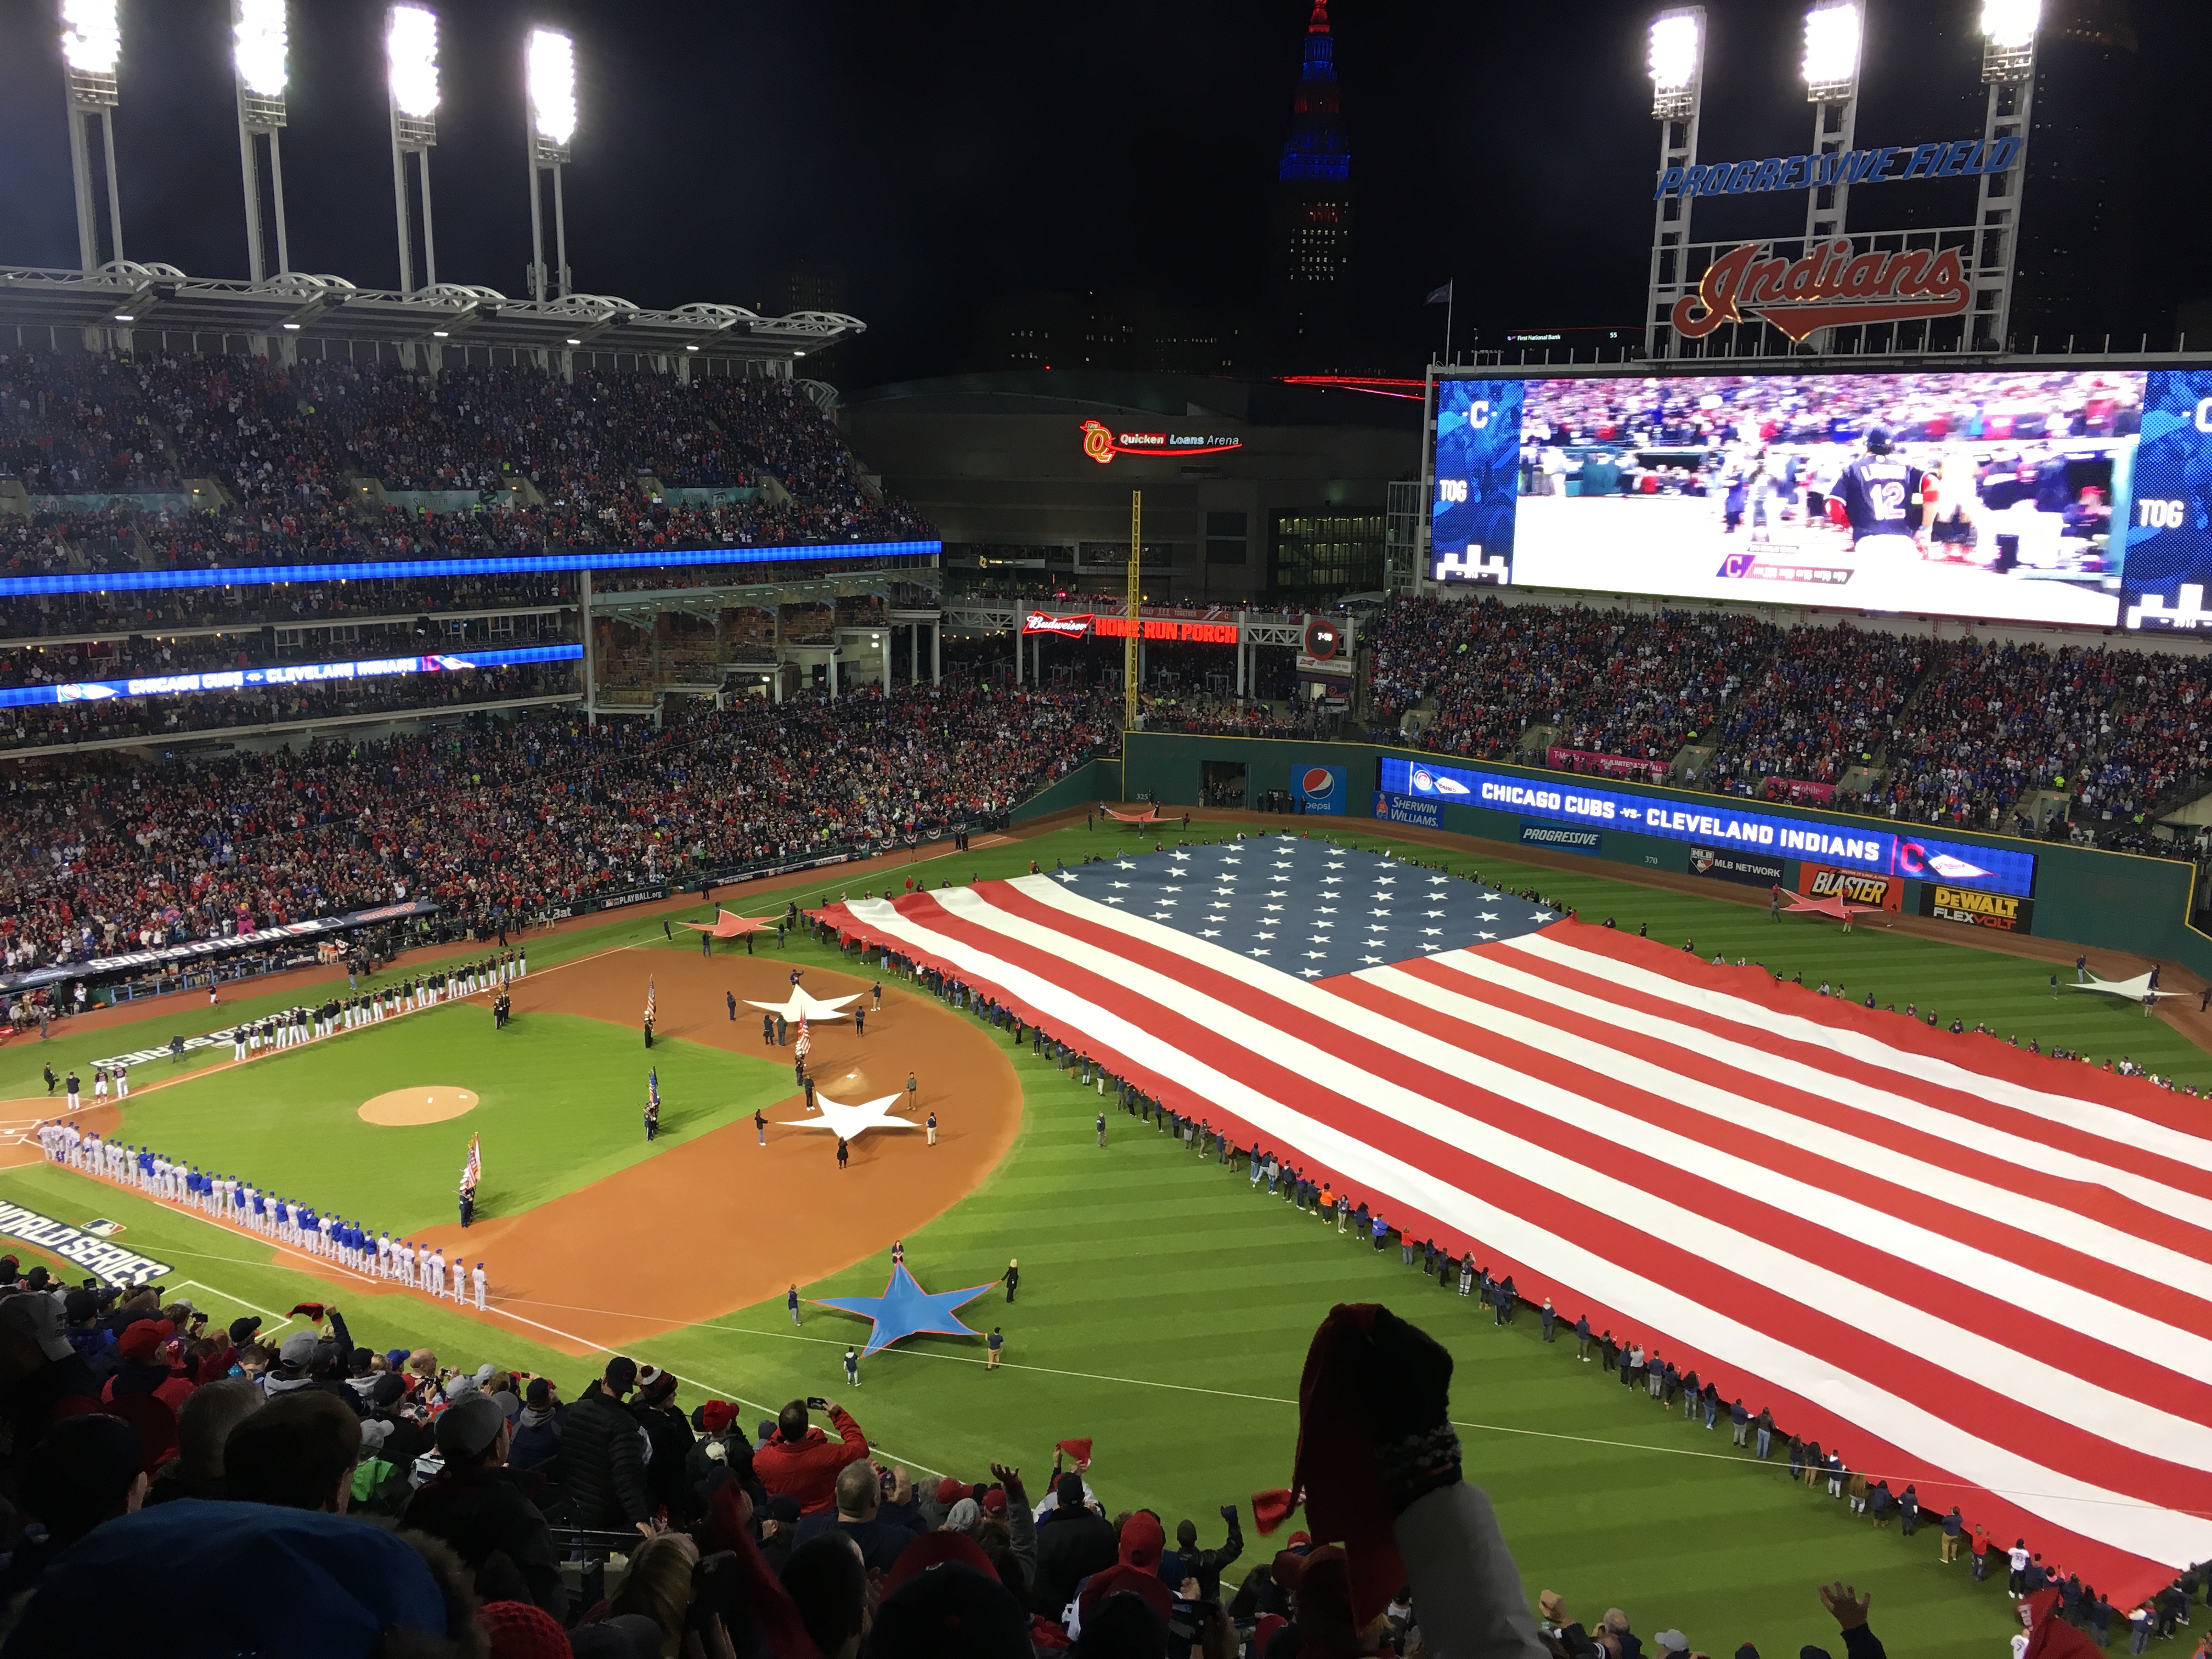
pixel 1307 907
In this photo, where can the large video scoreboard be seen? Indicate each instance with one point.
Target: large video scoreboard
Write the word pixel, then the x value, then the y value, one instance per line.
pixel 2045 493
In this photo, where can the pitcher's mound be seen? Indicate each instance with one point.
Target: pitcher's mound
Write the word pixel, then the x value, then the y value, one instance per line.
pixel 402 1107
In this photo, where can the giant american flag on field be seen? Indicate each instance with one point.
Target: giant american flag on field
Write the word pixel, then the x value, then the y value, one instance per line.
pixel 1957 1263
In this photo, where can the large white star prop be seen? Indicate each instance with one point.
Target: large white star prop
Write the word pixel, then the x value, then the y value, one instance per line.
pixel 800 1006
pixel 848 1121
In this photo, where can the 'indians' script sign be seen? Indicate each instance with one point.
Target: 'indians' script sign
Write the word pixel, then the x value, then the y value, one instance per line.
pixel 1831 286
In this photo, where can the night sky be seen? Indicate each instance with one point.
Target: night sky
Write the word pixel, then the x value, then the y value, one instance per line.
pixel 925 160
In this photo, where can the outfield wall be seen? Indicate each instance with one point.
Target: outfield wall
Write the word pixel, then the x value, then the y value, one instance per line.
pixel 1094 780
pixel 2115 900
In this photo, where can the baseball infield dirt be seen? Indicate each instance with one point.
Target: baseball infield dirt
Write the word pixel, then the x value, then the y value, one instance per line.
pixel 722 1221
pixel 428 1103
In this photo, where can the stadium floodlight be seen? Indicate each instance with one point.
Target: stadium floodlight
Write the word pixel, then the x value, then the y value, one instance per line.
pixel 2011 23
pixel 261 43
pixel 1833 34
pixel 2009 29
pixel 92 50
pixel 91 37
pixel 552 73
pixel 548 65
pixel 411 53
pixel 261 37
pixel 410 50
pixel 1677 60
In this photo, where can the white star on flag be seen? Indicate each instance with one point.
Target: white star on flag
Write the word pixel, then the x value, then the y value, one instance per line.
pixel 798 1006
pixel 849 1122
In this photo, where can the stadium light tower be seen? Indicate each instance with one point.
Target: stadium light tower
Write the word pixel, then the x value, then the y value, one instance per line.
pixel 92 48
pixel 2008 29
pixel 260 43
pixel 1677 57
pixel 549 66
pixel 1834 31
pixel 410 49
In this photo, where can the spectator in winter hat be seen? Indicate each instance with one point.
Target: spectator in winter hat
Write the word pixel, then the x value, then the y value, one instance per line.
pixel 345 1589
pixel 485 1511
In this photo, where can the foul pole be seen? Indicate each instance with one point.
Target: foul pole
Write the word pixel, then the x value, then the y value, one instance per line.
pixel 1130 646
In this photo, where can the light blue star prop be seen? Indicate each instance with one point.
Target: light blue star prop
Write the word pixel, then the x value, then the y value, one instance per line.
pixel 906 1309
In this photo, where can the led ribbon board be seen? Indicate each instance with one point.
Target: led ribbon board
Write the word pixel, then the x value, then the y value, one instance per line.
pixel 1846 846
pixel 299 673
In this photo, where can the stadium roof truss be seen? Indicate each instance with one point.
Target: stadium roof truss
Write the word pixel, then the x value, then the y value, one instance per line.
pixel 126 296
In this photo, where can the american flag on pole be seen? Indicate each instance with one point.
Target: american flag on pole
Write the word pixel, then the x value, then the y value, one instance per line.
pixel 804 1045
pixel 649 1001
pixel 472 1170
pixel 1957 1264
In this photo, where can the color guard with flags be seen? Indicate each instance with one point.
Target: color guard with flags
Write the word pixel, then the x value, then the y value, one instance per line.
pixel 471 1173
pixel 652 1104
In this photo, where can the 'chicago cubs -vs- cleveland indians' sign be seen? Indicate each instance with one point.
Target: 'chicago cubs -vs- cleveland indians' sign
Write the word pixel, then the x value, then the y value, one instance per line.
pixel 1830 287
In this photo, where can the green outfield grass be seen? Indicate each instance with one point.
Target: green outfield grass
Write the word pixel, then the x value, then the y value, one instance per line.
pixel 1165 1305
pixel 559 1097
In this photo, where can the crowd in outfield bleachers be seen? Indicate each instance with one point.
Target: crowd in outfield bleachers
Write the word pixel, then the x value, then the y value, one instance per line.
pixel 1961 731
pixel 499 818
pixel 304 452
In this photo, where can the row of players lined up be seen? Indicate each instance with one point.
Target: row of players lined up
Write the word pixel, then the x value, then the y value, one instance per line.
pixel 223 1198
pixel 297 1025
pixel 292 1026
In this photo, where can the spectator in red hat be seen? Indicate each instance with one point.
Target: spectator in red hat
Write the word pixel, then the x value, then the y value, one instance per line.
pixel 800 1460
pixel 144 1346
pixel 516 1630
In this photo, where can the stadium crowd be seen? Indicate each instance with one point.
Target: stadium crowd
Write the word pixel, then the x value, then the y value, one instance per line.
pixel 1959 731
pixel 104 450
pixel 395 1505
pixel 505 819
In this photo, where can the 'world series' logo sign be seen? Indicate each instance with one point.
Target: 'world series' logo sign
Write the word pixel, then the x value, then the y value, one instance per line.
pixel 1830 287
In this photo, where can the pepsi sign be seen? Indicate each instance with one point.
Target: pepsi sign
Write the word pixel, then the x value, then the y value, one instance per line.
pixel 1318 788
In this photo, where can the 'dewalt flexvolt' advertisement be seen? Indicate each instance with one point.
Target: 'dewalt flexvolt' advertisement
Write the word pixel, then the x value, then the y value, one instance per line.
pixel 1971 908
pixel 1852 886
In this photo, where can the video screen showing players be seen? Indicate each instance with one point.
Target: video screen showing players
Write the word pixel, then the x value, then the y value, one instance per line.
pixel 1982 493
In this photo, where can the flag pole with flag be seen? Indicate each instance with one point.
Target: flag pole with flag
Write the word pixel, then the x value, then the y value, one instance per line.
pixel 1443 296
pixel 472 1170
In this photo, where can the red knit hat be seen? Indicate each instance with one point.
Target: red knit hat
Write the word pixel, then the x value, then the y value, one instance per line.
pixel 142 1339
pixel 1335 1476
pixel 716 1416
pixel 933 1549
pixel 517 1630
pixel 1143 1538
